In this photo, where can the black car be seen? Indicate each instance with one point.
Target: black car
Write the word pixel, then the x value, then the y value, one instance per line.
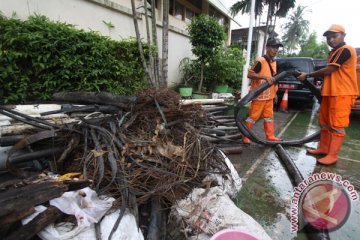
pixel 319 63
pixel 297 91
pixel 357 51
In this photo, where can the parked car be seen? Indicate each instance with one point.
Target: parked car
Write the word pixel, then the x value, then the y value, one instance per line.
pixel 319 63
pixel 296 90
pixel 357 51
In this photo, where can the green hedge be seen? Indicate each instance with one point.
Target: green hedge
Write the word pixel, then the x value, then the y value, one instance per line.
pixel 39 57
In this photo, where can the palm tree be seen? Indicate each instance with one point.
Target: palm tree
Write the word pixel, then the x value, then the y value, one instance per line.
pixel 275 8
pixel 295 29
pixel 244 7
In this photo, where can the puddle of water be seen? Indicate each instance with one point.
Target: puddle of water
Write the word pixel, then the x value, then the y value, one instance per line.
pixel 266 194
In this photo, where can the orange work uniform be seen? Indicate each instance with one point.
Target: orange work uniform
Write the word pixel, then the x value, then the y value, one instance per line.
pixel 339 91
pixel 263 104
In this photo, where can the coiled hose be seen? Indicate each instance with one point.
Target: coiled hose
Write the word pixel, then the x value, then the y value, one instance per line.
pixel 253 94
pixel 293 172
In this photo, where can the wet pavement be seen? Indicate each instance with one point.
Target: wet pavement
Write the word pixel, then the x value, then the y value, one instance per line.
pixel 267 189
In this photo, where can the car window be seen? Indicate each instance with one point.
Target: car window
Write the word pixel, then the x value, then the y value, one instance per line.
pixel 288 65
pixel 319 63
pixel 357 51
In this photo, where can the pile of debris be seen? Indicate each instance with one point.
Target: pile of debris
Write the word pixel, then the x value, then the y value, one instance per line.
pixel 146 152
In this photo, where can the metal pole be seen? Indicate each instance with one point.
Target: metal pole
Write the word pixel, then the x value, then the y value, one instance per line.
pixel 245 80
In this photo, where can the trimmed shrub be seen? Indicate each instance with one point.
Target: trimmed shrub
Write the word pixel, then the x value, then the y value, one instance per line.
pixel 39 57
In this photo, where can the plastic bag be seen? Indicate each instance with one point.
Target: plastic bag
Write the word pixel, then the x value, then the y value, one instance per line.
pixel 85 205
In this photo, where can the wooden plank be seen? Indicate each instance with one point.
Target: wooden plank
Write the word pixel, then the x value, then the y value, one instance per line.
pixel 8 221
pixel 19 199
pixel 41 221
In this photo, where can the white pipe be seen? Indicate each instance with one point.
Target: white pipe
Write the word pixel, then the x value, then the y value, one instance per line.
pixel 245 80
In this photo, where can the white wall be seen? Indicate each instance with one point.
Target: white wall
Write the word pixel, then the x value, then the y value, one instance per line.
pixel 91 14
pixel 81 13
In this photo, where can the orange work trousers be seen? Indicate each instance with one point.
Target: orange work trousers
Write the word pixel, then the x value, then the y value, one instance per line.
pixel 264 108
pixel 335 113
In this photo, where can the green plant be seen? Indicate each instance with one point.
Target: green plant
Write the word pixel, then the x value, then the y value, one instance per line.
pixel 206 36
pixel 189 72
pixel 109 24
pixel 225 68
pixel 39 57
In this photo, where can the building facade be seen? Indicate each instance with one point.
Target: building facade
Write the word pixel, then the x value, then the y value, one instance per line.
pixel 113 18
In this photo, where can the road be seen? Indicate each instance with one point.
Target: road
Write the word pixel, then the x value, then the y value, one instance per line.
pixel 267 189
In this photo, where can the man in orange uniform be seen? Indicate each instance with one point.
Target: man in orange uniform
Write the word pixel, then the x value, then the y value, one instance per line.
pixel 338 94
pixel 263 71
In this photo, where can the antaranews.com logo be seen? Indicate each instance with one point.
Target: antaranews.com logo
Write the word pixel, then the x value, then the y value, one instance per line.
pixel 322 200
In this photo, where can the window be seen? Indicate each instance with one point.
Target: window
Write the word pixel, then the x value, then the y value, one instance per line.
pixel 184 10
pixel 293 64
pixel 189 15
pixel 179 11
pixel 156 3
pixel 215 13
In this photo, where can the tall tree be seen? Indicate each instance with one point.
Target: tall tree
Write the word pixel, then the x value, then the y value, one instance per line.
pixel 151 58
pixel 141 50
pixel 165 45
pixel 275 8
pixel 311 48
pixel 157 77
pixel 155 43
pixel 244 7
pixel 295 29
pixel 206 37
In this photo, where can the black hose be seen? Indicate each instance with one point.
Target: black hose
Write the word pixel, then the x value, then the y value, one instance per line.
pixel 296 178
pixel 10 140
pixel 253 94
pixel 293 172
pixel 313 89
pixel 32 120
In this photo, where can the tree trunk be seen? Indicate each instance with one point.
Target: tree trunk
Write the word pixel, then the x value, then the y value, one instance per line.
pixel 141 50
pixel 272 32
pixel 154 33
pixel 201 76
pixel 165 42
pixel 266 28
pixel 148 36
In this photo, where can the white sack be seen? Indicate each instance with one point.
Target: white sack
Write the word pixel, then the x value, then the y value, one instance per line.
pixel 211 210
pixel 232 184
